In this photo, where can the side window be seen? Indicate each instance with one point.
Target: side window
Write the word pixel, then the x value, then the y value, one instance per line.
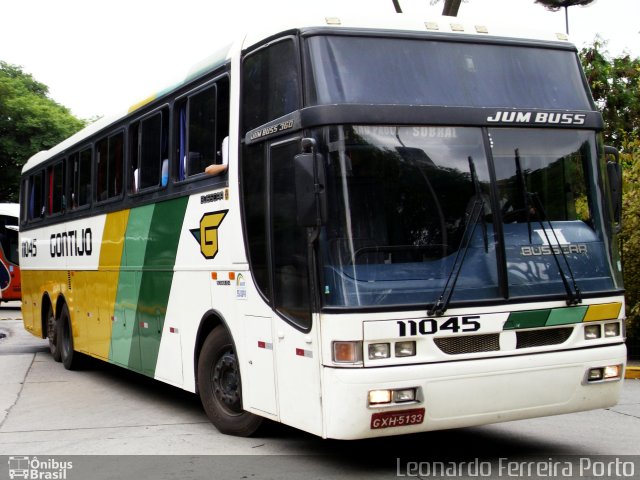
pixel 9 239
pixel 149 165
pixel 270 84
pixel 79 179
pixel 109 164
pixel 35 200
pixel 254 186
pixel 288 239
pixel 203 123
pixel 56 180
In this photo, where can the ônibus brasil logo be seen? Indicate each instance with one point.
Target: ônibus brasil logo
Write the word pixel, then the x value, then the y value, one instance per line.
pixel 33 468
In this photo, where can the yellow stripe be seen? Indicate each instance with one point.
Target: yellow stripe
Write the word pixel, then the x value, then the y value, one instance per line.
pixel 103 285
pixel 142 103
pixel 605 311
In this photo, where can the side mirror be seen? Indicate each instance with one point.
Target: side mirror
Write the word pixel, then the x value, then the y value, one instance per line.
pixel 311 204
pixel 614 175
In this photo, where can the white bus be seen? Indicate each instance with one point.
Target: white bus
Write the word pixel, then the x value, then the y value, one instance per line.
pixel 404 226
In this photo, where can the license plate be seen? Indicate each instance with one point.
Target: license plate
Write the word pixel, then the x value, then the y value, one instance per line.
pixel 400 418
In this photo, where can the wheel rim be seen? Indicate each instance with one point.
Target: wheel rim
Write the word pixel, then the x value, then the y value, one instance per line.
pixel 226 383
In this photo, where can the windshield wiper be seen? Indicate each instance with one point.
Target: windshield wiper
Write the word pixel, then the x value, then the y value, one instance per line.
pixel 573 296
pixel 440 306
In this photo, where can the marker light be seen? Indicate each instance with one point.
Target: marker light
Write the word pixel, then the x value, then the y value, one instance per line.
pixel 347 352
pixel 595 374
pixel 606 373
pixel 405 349
pixel 612 372
pixel 612 329
pixel 405 395
pixel 591 332
pixel 379 397
pixel 378 351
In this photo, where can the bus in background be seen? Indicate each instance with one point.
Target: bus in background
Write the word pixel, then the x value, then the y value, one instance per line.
pixel 9 255
pixel 357 228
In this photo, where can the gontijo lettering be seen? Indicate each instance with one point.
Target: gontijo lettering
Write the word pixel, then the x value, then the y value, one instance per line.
pixel 71 243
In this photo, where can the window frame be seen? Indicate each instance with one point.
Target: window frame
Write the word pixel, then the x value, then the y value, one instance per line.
pixel 108 136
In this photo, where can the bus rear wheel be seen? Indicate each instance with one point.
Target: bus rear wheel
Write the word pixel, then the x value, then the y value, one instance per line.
pixel 52 334
pixel 220 387
pixel 70 359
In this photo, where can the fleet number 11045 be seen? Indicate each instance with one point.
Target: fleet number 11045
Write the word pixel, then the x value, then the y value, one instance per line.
pixel 429 326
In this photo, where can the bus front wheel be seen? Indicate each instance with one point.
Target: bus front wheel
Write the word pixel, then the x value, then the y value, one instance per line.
pixel 220 387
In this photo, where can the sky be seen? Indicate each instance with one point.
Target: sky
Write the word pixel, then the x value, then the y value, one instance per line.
pixel 98 57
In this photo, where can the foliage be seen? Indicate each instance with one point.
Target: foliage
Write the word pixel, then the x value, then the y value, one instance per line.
pixel 30 121
pixel 615 85
pixel 630 238
pixel 555 5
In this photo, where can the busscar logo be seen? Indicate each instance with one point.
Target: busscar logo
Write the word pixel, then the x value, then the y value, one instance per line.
pixel 207 234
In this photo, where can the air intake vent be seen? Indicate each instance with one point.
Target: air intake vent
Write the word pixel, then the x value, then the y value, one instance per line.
pixel 69 279
pixel 469 344
pixel 542 338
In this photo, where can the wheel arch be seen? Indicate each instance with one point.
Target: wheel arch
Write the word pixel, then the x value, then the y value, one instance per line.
pixel 210 320
pixel 45 301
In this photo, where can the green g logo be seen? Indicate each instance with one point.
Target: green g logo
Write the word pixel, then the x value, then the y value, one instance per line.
pixel 207 234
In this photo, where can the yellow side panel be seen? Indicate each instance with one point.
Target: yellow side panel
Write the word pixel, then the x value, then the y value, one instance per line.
pixel 35 285
pixel 101 286
pixel 605 311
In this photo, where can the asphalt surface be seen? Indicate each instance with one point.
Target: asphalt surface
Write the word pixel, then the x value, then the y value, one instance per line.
pixel 46 410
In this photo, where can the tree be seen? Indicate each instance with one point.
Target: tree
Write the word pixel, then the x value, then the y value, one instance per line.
pixel 615 85
pixel 30 121
pixel 555 5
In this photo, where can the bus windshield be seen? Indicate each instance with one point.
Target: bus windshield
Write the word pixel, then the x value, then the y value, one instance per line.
pixel 426 72
pixel 413 214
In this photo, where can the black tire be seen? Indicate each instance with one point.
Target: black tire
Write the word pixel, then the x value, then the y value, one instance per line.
pixel 220 387
pixel 52 334
pixel 70 359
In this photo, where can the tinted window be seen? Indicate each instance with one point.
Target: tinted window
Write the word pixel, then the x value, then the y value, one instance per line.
pixel 269 84
pixel 80 178
pixel 424 72
pixel 203 123
pixel 56 201
pixel 109 161
pixel 149 152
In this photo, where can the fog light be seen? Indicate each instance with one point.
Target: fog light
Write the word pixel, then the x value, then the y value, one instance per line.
pixel 405 349
pixel 405 395
pixel 379 351
pixel 612 329
pixel 379 397
pixel 591 332
pixel 595 374
pixel 612 372
pixel 347 352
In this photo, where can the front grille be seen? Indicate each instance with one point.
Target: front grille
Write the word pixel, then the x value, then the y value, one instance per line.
pixel 489 342
pixel 541 338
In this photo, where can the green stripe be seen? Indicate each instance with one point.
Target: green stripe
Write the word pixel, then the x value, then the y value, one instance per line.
pixel 157 275
pixel 124 351
pixel 528 319
pixel 564 316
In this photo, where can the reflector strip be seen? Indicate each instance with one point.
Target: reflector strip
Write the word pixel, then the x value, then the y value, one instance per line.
pixel 144 325
pixel 265 345
pixel 304 353
pixel 606 311
pixel 173 330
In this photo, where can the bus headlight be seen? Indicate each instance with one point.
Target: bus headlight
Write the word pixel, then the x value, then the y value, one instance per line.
pixel 379 351
pixel 347 352
pixel 591 332
pixel 405 395
pixel 612 329
pixel 405 349
pixel 603 374
pixel 379 397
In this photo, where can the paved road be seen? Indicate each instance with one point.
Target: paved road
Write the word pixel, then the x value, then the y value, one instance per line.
pixel 105 410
